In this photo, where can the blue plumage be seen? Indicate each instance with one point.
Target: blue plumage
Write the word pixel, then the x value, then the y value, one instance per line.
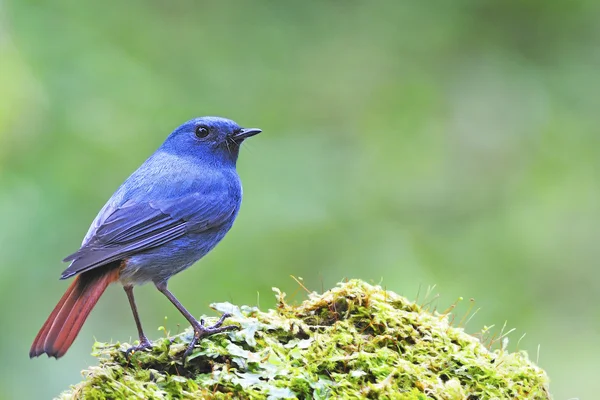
pixel 168 214
pixel 189 187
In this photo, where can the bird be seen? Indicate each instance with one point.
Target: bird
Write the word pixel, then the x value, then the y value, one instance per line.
pixel 173 210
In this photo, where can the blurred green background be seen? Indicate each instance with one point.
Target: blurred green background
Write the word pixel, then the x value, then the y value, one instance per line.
pixel 408 143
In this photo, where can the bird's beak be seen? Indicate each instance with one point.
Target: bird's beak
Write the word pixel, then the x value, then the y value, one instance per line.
pixel 246 133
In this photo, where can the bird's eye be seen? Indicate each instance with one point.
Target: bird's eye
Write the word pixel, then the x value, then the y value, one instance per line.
pixel 201 132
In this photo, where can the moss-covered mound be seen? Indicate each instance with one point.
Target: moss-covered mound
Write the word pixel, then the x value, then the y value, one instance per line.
pixel 354 341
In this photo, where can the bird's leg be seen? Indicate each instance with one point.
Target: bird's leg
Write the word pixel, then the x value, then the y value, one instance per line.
pixel 200 330
pixel 144 342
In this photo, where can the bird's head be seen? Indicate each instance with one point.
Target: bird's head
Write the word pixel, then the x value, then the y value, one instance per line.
pixel 208 138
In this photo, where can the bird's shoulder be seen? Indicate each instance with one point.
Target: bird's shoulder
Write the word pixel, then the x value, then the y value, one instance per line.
pixel 177 187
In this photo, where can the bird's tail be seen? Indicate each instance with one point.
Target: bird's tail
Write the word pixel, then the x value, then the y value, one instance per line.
pixel 67 318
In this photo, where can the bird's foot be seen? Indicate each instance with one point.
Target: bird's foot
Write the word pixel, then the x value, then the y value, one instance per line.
pixel 201 331
pixel 144 345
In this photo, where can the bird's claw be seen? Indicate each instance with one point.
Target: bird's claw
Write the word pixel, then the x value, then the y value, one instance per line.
pixel 144 345
pixel 201 331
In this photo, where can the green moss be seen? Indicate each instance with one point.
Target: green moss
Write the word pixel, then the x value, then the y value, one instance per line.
pixel 353 341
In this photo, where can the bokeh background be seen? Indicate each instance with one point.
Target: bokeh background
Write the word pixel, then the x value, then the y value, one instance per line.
pixel 407 143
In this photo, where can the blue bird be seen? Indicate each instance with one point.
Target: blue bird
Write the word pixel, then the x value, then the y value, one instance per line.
pixel 167 215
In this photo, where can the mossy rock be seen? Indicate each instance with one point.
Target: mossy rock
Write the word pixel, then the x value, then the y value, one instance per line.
pixel 353 341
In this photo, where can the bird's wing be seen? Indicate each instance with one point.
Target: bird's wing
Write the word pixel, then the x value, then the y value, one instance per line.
pixel 136 227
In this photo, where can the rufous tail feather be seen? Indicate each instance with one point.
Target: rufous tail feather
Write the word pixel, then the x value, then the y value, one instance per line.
pixel 64 323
